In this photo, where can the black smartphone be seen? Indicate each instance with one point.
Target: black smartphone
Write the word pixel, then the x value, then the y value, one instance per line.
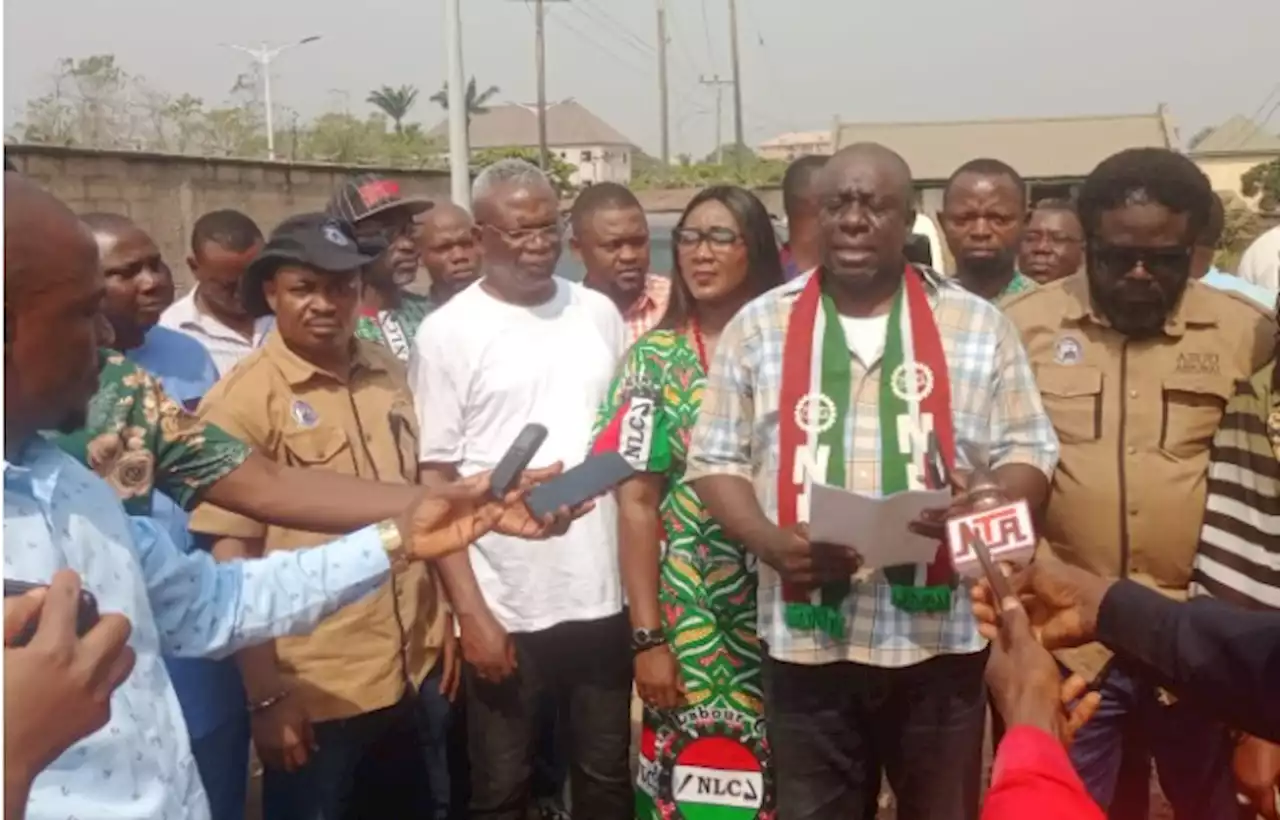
pixel 516 459
pixel 590 479
pixel 86 613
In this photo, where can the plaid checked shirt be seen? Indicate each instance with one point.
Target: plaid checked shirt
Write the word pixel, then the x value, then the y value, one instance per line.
pixel 994 400
pixel 644 315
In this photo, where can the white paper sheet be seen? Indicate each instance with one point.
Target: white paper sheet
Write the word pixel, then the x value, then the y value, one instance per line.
pixel 875 527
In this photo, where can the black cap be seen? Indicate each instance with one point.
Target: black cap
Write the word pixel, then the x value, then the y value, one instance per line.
pixel 364 195
pixel 316 241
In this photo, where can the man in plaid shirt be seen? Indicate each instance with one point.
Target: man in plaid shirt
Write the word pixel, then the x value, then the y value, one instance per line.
pixel 899 690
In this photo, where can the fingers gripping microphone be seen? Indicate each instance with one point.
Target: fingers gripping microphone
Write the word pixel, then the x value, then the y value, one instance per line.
pixel 1002 527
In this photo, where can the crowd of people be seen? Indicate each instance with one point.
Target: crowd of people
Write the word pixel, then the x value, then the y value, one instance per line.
pixel 276 488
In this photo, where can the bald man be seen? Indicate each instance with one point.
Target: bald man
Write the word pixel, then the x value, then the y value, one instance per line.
pixel 450 247
pixel 885 673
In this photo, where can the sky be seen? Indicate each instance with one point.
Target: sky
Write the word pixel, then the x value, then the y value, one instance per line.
pixel 804 62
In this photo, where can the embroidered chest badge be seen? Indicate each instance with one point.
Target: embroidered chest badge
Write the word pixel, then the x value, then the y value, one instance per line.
pixel 304 414
pixel 1068 350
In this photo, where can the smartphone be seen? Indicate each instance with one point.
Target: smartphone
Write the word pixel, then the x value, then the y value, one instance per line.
pixel 590 479
pixel 86 613
pixel 513 462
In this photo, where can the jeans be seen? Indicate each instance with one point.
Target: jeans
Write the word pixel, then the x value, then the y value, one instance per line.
pixel 1192 752
pixel 222 757
pixel 332 786
pixel 586 667
pixel 835 728
pixel 437 725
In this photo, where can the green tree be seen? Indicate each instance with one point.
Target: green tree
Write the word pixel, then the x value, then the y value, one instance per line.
pixel 394 102
pixel 1263 181
pixel 560 172
pixel 477 103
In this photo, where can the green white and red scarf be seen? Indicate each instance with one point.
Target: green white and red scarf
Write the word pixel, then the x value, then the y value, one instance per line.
pixel 915 397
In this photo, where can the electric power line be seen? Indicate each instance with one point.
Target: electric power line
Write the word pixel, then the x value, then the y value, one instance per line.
pixel 611 22
pixel 706 29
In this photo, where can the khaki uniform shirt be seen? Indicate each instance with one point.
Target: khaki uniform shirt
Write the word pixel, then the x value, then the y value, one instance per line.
pixel 359 658
pixel 1135 418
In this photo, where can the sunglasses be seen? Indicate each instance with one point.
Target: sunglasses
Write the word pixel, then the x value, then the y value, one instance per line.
pixel 715 237
pixel 1121 259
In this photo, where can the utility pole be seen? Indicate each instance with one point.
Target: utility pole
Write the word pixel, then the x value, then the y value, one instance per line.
pixel 719 85
pixel 459 139
pixel 737 79
pixel 263 55
pixel 541 56
pixel 664 112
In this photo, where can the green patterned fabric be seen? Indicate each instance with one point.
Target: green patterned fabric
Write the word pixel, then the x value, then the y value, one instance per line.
pixel 707 593
pixel 140 440
pixel 1018 284
pixel 395 329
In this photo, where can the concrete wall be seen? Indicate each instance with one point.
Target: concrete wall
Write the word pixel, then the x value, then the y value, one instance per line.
pixel 165 194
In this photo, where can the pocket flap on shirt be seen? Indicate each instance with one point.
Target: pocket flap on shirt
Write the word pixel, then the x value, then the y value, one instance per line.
pixel 1207 384
pixel 1069 380
pixel 315 446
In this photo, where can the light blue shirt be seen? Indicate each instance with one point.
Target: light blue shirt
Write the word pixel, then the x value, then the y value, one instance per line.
pixel 210 691
pixel 57 514
pixel 1225 281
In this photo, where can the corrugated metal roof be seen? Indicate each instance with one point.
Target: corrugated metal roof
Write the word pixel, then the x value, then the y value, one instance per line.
pixel 1238 135
pixel 515 124
pixel 1037 148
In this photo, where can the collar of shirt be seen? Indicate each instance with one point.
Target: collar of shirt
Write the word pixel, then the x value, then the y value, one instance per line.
pixel 656 291
pixel 1018 284
pixel 297 370
pixel 186 315
pixel 1190 310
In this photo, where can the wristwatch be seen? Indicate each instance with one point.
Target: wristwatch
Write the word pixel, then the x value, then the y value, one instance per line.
pixel 646 639
pixel 393 544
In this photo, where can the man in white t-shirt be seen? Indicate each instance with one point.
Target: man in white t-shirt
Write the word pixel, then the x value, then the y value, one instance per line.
pixel 541 619
pixel 1261 262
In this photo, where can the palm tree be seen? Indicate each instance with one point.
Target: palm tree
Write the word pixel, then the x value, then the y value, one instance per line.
pixel 476 103
pixel 394 102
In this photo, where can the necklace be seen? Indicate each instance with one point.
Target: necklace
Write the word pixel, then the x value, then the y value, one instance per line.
pixel 696 327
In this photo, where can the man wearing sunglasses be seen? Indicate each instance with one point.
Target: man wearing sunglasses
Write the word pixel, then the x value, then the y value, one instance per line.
pixel 384 220
pixel 1136 362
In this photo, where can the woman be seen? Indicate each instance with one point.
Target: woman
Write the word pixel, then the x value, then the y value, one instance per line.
pixel 691 591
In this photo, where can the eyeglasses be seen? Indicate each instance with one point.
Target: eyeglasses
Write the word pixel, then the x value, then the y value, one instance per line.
pixel 552 233
pixel 718 238
pixel 1120 259
pixel 388 230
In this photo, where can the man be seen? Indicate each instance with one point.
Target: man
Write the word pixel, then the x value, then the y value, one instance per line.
pixel 1136 363
pixel 1202 266
pixel 450 251
pixel 800 201
pixel 981 216
pixel 223 243
pixel 611 237
pixel 1239 549
pixel 384 222
pixel 58 515
pixel 1052 242
pixel 1261 261
pixel 295 400
pixel 209 691
pixel 525 346
pixel 887 670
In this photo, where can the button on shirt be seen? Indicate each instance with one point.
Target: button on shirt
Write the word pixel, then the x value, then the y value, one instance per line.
pixel 993 400
pixel 1135 418
pixel 295 413
pixel 139 766
pixel 226 346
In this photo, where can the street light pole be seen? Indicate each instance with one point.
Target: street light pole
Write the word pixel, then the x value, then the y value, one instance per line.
pixel 263 55
pixel 459 139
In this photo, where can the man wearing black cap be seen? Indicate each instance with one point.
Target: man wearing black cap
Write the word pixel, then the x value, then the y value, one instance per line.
pixel 316 397
pixel 384 223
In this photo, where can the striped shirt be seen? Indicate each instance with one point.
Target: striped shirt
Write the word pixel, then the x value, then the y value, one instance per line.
pixel 645 313
pixel 994 400
pixel 1239 555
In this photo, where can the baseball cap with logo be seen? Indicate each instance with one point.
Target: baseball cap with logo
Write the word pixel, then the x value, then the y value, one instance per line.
pixel 317 241
pixel 365 195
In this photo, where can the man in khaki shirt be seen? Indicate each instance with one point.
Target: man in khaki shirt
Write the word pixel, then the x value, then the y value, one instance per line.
pixel 313 396
pixel 1136 364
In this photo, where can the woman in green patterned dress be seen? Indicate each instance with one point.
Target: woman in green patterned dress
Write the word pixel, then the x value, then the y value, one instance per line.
pixel 692 592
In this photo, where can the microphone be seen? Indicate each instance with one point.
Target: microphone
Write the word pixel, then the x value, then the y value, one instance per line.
pixel 1001 527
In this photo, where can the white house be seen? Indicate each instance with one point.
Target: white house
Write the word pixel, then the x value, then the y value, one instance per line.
pixel 796 144
pixel 597 152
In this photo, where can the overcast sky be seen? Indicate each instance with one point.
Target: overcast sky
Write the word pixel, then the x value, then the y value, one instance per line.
pixel 803 61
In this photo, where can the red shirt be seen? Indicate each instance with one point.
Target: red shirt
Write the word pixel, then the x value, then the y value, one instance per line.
pixel 1032 777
